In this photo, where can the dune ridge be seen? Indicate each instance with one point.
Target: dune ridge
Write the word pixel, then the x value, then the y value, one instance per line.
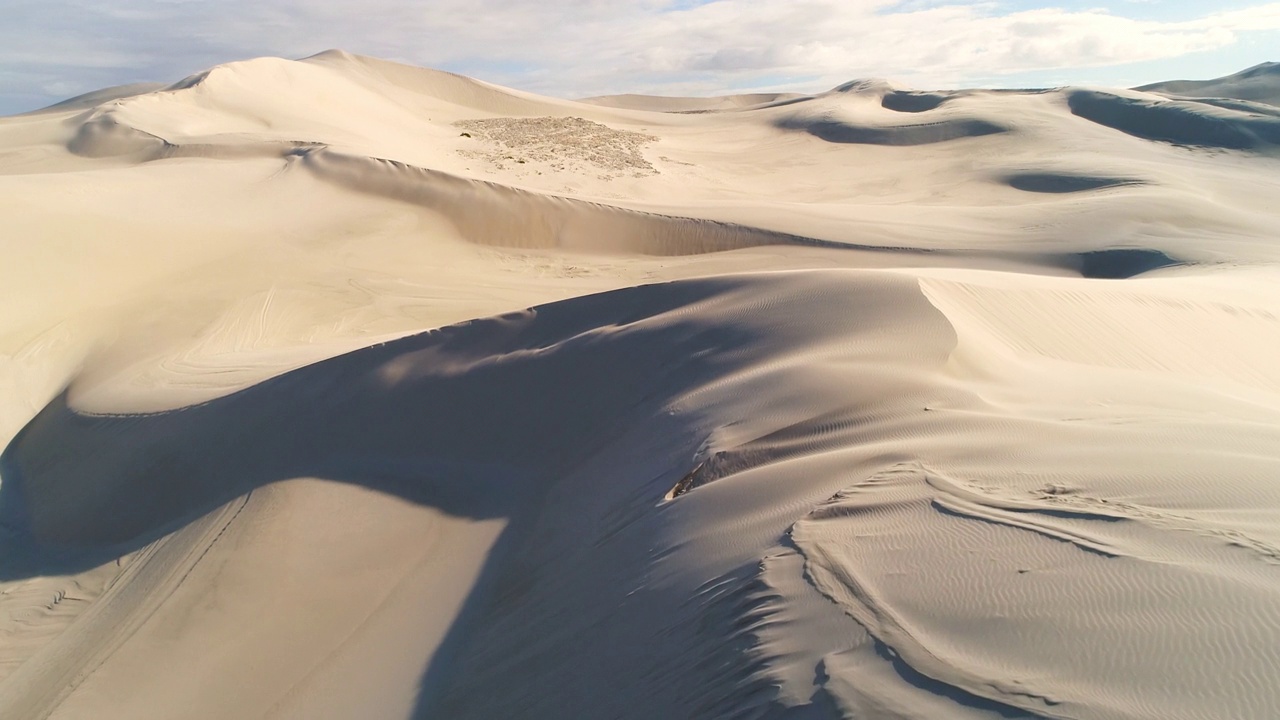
pixel 341 388
pixel 1255 84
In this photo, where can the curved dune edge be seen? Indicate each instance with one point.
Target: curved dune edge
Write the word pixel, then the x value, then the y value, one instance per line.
pixel 941 131
pixel 1177 121
pixel 492 214
pixel 719 312
pixel 798 399
pixel 389 420
pixel 1099 553
pixel 1059 183
pixel 755 424
pixel 1257 84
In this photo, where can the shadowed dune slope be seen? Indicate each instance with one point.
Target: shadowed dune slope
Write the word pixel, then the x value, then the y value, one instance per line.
pixel 409 418
pixel 338 388
pixel 491 214
pixel 1260 83
pixel 1064 183
pixel 836 131
pixel 1177 121
pixel 912 102
pixel 834 433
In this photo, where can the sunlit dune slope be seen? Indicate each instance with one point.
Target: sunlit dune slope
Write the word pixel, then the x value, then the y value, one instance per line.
pixel 339 388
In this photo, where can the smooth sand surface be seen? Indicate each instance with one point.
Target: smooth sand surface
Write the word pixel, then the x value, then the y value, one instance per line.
pixel 338 388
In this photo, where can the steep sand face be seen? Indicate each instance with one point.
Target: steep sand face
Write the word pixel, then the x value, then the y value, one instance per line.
pixel 338 388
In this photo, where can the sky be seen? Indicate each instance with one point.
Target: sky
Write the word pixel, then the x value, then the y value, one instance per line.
pixel 54 49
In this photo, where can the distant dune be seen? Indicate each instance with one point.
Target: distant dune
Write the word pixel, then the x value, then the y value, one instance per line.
pixel 692 104
pixel 338 388
pixel 1260 83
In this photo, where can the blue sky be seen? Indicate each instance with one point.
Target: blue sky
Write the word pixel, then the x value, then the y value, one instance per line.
pixel 53 49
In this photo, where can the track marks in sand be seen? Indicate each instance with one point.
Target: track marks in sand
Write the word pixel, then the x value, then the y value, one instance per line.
pixel 34 611
pixel 832 569
pixel 148 578
pixel 997 602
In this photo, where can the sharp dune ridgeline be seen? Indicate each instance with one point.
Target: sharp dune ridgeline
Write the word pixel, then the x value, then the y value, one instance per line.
pixel 338 388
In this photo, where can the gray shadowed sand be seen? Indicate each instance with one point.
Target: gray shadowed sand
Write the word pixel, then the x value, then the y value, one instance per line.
pixel 340 388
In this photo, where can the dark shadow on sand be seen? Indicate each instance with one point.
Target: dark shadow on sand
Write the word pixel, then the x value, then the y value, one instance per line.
pixel 480 420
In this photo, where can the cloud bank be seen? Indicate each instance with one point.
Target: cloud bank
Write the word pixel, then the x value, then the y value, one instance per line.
pixel 50 49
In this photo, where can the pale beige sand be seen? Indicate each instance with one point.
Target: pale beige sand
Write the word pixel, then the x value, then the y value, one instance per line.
pixel 338 388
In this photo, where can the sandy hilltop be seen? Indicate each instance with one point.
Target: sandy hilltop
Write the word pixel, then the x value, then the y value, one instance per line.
pixel 338 388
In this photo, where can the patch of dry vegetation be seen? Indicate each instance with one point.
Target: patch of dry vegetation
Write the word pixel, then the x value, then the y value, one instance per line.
pixel 563 143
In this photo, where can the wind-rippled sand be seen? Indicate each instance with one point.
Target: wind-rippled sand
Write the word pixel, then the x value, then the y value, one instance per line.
pixel 337 388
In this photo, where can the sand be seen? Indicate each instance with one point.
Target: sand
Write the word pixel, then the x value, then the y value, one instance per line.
pixel 337 388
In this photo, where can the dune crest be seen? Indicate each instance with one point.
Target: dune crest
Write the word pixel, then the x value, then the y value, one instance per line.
pixel 341 388
pixel 1259 84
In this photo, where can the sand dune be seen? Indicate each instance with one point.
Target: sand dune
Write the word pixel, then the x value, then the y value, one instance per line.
pixel 1175 121
pixel 1257 84
pixel 339 388
pixel 655 103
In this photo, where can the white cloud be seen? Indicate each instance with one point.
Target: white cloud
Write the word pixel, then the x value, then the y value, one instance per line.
pixel 578 47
